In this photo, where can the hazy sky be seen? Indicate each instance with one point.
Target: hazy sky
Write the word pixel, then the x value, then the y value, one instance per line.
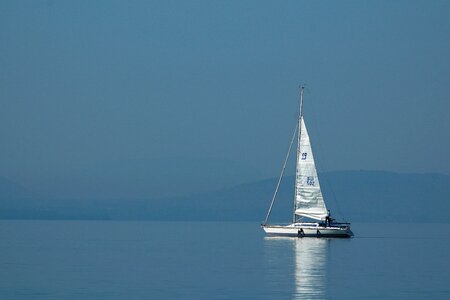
pixel 91 82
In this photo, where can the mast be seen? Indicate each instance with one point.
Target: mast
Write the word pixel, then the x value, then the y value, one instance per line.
pixel 300 115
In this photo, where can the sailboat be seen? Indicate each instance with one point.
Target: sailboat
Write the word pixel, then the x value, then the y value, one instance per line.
pixel 309 203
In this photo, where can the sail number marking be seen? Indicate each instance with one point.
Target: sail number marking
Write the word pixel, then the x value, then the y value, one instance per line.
pixel 304 154
pixel 310 180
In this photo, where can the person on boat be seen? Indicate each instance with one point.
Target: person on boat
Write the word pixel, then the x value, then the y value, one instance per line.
pixel 328 219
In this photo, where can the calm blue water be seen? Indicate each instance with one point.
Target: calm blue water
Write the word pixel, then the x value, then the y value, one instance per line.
pixel 180 260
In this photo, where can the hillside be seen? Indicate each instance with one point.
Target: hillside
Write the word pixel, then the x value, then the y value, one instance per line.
pixel 354 195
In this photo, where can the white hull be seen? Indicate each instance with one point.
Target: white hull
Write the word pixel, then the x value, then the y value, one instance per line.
pixel 308 230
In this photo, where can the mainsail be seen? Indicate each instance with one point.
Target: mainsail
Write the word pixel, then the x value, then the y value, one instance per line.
pixel 308 196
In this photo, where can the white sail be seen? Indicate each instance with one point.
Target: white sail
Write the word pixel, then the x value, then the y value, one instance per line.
pixel 308 196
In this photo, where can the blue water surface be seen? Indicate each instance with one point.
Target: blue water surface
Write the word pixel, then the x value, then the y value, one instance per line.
pixel 219 260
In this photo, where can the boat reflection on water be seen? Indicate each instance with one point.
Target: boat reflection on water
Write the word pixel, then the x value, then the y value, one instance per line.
pixel 310 268
pixel 309 258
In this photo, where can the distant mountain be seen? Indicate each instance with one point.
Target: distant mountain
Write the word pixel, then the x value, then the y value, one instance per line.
pixel 387 196
pixel 10 189
pixel 351 195
pixel 149 179
pixel 17 201
pixel 356 195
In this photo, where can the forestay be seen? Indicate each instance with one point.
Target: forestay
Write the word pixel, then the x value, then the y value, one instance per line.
pixel 308 196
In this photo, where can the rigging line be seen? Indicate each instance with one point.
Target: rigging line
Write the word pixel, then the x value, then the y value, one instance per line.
pixel 335 200
pixel 282 173
pixel 324 178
